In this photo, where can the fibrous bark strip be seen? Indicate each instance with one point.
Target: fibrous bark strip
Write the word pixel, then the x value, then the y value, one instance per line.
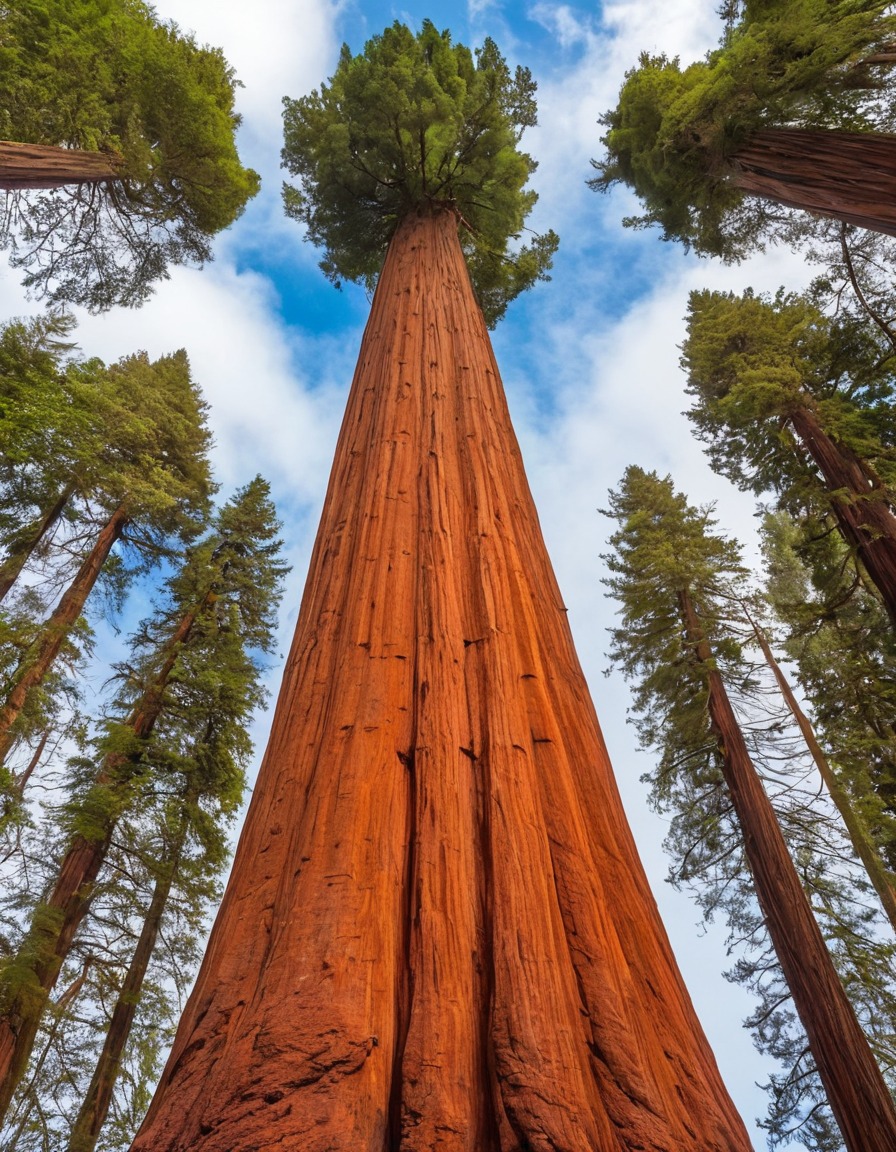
pixel 849 176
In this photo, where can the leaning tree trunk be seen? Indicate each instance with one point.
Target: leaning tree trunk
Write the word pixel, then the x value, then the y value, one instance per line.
pixel 25 545
pixel 849 176
pixel 863 513
pixel 54 633
pixel 57 919
pixel 867 851
pixel 95 1106
pixel 437 934
pixel 856 1091
pixel 46 166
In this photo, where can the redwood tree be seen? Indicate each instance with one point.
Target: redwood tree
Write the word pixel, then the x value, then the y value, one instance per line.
pixel 793 108
pixel 671 573
pixel 147 486
pixel 437 933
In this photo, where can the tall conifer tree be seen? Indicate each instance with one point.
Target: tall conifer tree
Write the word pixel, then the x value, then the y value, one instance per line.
pixel 789 400
pixel 793 108
pixel 671 573
pixel 116 145
pixel 146 482
pixel 178 730
pixel 437 933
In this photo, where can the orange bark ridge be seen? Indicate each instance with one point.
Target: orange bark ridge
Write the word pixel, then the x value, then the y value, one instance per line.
pixel 437 933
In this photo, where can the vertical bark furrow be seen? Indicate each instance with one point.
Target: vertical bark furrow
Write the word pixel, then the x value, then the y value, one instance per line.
pixel 462 922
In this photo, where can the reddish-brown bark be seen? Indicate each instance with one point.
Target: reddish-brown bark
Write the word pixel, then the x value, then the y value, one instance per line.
pixel 48 166
pixel 859 1098
pixel 60 916
pixel 859 502
pixel 849 176
pixel 437 934
pixel 54 633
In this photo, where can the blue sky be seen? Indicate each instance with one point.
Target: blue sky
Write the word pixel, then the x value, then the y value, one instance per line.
pixel 589 360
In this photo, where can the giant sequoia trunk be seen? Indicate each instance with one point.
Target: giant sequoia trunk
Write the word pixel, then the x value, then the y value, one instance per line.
pixel 47 166
pixel 849 176
pixel 859 1098
pixel 858 502
pixel 437 934
pixel 56 920
pixel 54 633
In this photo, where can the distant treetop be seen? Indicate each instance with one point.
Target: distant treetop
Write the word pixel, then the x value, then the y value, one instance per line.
pixel 108 76
pixel 412 122
pixel 809 64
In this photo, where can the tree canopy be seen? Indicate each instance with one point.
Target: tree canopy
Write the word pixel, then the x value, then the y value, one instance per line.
pixel 754 360
pixel 416 122
pixel 107 75
pixel 675 130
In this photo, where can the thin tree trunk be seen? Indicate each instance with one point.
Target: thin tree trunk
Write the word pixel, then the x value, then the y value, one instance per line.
pixel 860 505
pixel 27 1105
pixel 437 935
pixel 849 176
pixel 95 1106
pixel 859 1098
pixel 46 648
pixel 24 547
pixel 47 166
pixel 22 779
pixel 57 920
pixel 13 792
pixel 865 849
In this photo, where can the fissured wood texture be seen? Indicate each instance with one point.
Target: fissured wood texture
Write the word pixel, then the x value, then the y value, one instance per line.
pixel 847 175
pixel 48 166
pixel 437 934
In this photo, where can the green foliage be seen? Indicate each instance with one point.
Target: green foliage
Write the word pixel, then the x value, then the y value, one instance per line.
pixel 52 705
pixel 157 442
pixel 93 436
pixel 664 547
pixel 413 123
pixel 160 807
pixel 674 131
pixel 752 361
pixel 108 75
pixel 204 681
